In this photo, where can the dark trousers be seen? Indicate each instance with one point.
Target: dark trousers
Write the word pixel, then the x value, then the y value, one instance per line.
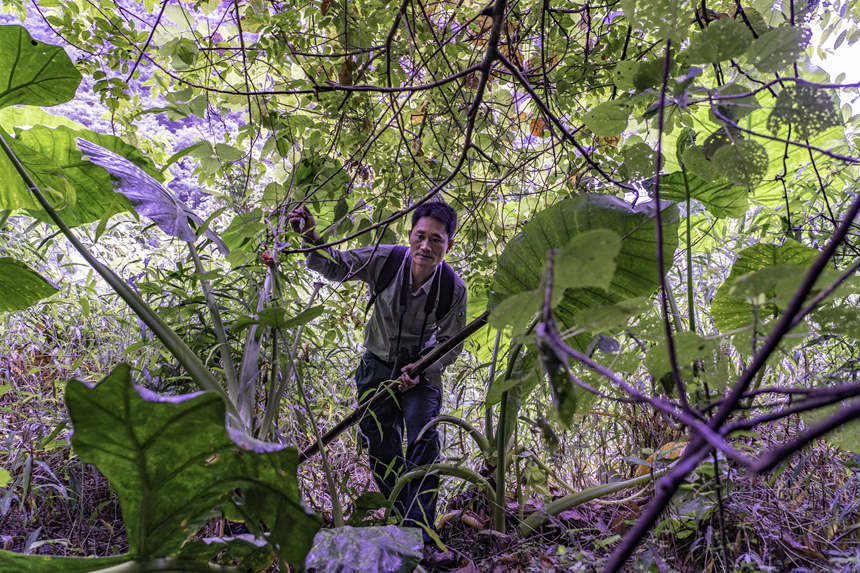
pixel 382 430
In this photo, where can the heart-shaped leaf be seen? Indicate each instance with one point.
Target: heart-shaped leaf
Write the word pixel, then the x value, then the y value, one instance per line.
pixel 521 266
pixel 807 109
pixel 720 197
pixel 171 462
pixel 147 195
pixel 32 72
pixel 730 311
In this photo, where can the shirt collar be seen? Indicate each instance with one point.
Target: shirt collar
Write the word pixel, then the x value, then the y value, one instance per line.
pixel 425 288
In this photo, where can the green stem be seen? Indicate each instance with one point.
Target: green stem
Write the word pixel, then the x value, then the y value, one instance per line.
pixel 536 519
pixel 480 439
pixel 501 447
pixel 691 306
pixel 488 410
pixel 274 404
pixel 4 216
pixel 673 305
pixel 168 337
pixel 336 510
pixel 444 469
pixel 221 337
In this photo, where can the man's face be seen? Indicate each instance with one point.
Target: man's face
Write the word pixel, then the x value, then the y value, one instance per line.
pixel 428 243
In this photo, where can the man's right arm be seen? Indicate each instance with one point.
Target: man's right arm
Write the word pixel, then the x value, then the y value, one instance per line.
pixel 335 265
pixel 341 266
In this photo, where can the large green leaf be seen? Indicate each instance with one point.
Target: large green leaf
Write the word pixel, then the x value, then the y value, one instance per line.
pixel 20 286
pixel 32 72
pixel 521 265
pixel 776 49
pixel 720 197
pixel 668 19
pixel 807 109
pixel 689 347
pixel 609 118
pixel 732 311
pixel 148 196
pixel 744 163
pixel 588 260
pixel 14 193
pixel 25 116
pixel 171 462
pixel 95 197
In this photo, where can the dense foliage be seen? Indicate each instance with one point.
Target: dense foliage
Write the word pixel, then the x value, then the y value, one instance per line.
pixel 658 203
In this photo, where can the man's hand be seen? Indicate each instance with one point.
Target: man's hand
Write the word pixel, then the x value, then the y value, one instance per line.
pixel 301 221
pixel 407 382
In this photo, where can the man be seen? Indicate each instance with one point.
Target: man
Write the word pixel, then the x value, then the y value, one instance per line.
pixel 405 324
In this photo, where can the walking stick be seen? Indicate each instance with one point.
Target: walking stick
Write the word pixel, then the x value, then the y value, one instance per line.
pixel 438 352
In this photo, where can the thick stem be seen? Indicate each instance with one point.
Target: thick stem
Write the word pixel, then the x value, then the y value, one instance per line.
pixel 488 410
pixel 221 337
pixel 336 511
pixel 691 300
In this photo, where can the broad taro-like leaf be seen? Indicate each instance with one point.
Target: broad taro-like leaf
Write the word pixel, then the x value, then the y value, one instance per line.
pixel 20 286
pixel 609 118
pixel 807 109
pixel 723 39
pixel 386 549
pixel 147 195
pixel 588 260
pixel 744 162
pixel 667 19
pixel 776 49
pixel 172 462
pixel 14 193
pixel 94 193
pixel 32 72
pixel 720 197
pixel 730 311
pixel 521 266
pixel 26 116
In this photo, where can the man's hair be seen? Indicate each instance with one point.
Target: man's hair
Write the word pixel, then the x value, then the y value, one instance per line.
pixel 440 211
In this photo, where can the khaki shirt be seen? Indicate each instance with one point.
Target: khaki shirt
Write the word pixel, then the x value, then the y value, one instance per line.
pixel 381 332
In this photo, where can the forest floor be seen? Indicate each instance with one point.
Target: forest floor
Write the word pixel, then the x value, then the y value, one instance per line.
pixel 803 517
